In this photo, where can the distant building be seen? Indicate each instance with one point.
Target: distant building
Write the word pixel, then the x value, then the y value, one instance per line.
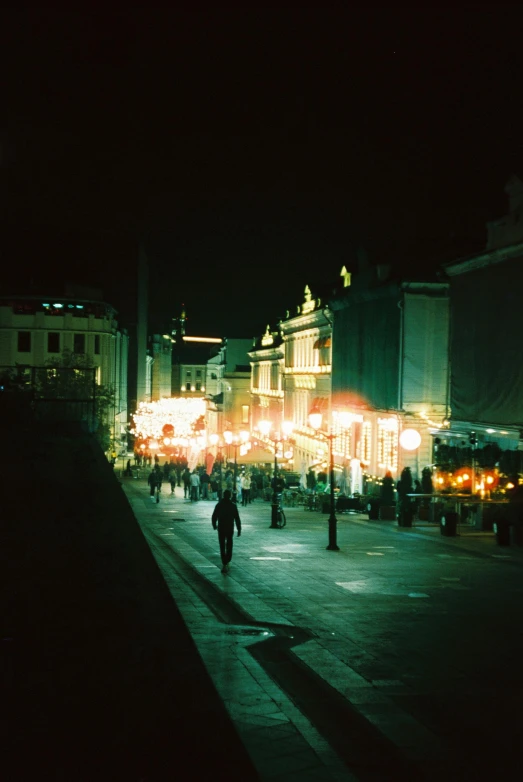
pixel 389 371
pixel 486 388
pixel 307 344
pixel 267 359
pixel 161 367
pixel 35 330
pixel 229 373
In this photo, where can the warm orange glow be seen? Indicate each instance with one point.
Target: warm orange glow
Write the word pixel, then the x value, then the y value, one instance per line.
pixel 287 427
pixel 315 420
pixel 265 427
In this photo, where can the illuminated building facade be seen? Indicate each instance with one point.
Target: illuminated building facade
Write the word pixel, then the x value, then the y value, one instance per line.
pixel 229 375
pixel 307 351
pixel 390 371
pixel 267 372
pixel 486 385
pixel 35 330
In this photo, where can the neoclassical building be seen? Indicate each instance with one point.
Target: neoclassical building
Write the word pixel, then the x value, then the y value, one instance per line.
pixel 291 371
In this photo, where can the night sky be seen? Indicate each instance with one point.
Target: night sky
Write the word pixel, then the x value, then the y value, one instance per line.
pixel 251 151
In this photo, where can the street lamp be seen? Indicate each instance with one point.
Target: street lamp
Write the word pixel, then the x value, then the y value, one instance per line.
pixel 265 428
pixel 315 419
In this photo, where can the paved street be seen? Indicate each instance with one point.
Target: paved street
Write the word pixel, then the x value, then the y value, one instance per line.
pixel 397 657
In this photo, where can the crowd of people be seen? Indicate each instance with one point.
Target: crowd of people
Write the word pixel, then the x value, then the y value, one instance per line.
pixel 198 484
pixel 251 484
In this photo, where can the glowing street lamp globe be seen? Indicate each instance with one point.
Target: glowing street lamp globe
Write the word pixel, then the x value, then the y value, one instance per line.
pixel 265 427
pixel 287 427
pixel 410 439
pixel 315 419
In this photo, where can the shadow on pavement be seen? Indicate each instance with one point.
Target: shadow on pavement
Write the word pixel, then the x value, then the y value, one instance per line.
pixel 100 677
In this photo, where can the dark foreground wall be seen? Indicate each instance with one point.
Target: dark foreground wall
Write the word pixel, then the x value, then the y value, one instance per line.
pixel 99 676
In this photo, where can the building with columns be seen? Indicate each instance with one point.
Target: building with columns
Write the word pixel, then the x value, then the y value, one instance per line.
pixel 290 370
pixel 307 347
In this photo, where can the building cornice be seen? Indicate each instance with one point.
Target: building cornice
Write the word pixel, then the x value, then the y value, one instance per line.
pixel 315 319
pixel 489 258
pixel 266 354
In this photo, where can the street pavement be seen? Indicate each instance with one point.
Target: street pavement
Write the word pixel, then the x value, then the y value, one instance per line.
pixel 125 654
pixel 100 680
pixel 397 657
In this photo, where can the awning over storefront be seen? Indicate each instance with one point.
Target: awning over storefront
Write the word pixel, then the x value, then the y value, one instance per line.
pixel 320 403
pixel 322 342
pixel 256 455
pixel 508 439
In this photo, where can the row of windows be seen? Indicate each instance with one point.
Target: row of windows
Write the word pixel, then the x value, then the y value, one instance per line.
pixel 53 342
pixel 303 352
pixel 60 308
pixel 189 373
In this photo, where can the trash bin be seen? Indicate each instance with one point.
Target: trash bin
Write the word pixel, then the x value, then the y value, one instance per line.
pixel 502 530
pixel 448 523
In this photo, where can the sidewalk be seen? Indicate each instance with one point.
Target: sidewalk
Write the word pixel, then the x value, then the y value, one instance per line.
pixel 100 678
pixel 374 662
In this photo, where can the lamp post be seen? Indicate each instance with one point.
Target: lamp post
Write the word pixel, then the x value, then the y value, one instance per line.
pixel 265 427
pixel 315 419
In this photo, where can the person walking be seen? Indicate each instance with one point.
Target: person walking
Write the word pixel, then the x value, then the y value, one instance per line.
pixel 172 480
pixel 195 486
pixel 152 480
pixel 224 517
pixel 246 489
pixel 215 485
pixel 159 477
pixel 204 485
pixel 186 483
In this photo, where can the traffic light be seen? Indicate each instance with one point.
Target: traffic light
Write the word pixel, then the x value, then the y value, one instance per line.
pixel 473 440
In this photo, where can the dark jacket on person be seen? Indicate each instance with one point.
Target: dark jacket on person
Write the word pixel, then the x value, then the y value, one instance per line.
pixel 225 515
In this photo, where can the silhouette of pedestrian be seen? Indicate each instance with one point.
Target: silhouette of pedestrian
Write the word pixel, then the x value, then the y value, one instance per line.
pixel 224 517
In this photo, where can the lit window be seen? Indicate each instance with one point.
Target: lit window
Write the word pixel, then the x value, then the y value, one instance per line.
pixel 245 414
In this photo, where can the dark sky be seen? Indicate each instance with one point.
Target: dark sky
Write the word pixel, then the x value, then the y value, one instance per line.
pixel 252 151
